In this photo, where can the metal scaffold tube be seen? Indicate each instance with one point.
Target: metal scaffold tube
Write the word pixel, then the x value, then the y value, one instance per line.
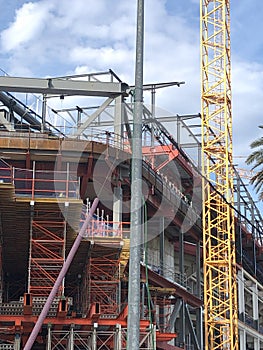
pixel 133 333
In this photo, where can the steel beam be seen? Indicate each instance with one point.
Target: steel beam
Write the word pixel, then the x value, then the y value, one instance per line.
pixel 92 117
pixel 54 86
pixel 174 315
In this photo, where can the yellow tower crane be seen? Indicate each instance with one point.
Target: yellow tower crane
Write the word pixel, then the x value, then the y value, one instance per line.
pixel 220 290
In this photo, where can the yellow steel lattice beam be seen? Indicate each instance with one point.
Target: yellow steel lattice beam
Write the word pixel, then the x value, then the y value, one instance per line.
pixel 220 291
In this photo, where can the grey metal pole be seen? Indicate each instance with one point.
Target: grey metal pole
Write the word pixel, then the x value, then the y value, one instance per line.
pixel 133 332
pixel 44 112
pixel 59 280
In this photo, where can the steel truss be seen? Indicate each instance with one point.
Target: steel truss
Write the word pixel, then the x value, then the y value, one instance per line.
pixel 220 291
pixel 95 339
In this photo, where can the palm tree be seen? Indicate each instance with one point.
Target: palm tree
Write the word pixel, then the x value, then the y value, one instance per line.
pixel 256 158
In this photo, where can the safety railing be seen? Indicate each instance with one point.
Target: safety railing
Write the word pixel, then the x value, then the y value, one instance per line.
pixel 51 184
pixel 39 183
pixel 100 228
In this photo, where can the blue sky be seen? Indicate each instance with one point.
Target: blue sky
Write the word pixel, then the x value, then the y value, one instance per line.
pixel 52 38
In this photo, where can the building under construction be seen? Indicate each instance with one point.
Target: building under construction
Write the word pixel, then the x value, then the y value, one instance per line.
pixel 200 247
pixel 54 162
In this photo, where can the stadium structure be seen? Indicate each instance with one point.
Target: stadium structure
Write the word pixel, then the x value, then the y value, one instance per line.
pixel 201 255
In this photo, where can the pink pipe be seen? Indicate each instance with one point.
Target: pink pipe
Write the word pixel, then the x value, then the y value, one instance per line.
pixel 61 275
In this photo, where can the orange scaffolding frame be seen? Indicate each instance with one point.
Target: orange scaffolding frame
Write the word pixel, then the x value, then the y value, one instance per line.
pixel 47 252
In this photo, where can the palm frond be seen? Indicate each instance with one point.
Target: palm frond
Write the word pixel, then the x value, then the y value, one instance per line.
pixel 257 143
pixel 256 159
pixel 256 156
pixel 257 181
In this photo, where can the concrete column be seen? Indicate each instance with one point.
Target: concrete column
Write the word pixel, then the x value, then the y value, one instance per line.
pixel 242 339
pixel 256 344
pixel 117 206
pixel 241 295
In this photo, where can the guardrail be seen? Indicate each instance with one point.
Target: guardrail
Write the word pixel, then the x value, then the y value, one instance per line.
pixel 40 183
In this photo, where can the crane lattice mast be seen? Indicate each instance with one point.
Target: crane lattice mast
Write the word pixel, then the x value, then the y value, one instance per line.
pixel 220 291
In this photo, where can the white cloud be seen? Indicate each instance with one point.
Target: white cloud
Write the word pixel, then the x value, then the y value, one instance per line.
pixel 247 88
pixel 30 21
pixel 53 40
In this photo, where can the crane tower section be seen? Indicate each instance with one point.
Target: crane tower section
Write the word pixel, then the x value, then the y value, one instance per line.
pixel 220 293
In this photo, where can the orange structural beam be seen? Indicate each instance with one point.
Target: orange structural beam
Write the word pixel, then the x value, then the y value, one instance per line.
pixel 24 324
pixel 28 321
pixel 94 312
pixel 159 150
pixel 165 337
pixel 154 151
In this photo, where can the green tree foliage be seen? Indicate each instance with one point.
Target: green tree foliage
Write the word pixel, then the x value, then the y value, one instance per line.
pixel 256 159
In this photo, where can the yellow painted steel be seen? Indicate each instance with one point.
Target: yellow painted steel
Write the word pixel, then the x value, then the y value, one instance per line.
pixel 220 289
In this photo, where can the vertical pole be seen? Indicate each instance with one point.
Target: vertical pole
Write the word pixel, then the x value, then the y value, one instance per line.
pixel 255 303
pixel 178 130
pixel 118 338
pixel 33 179
pixel 133 332
pixel 253 237
pixel 162 246
pixel 67 182
pixel 44 111
pixel 17 342
pixel 94 337
pixel 117 206
pixel 181 257
pixel 198 270
pixel 239 231
pixel 118 122
pixel 241 295
pixel 161 264
pixel 153 114
pixel 256 344
pixel 71 338
pixel 32 203
pixel 48 347
pixel 181 326
pixel 182 310
pixel 243 338
pixel 199 311
pixel 65 240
